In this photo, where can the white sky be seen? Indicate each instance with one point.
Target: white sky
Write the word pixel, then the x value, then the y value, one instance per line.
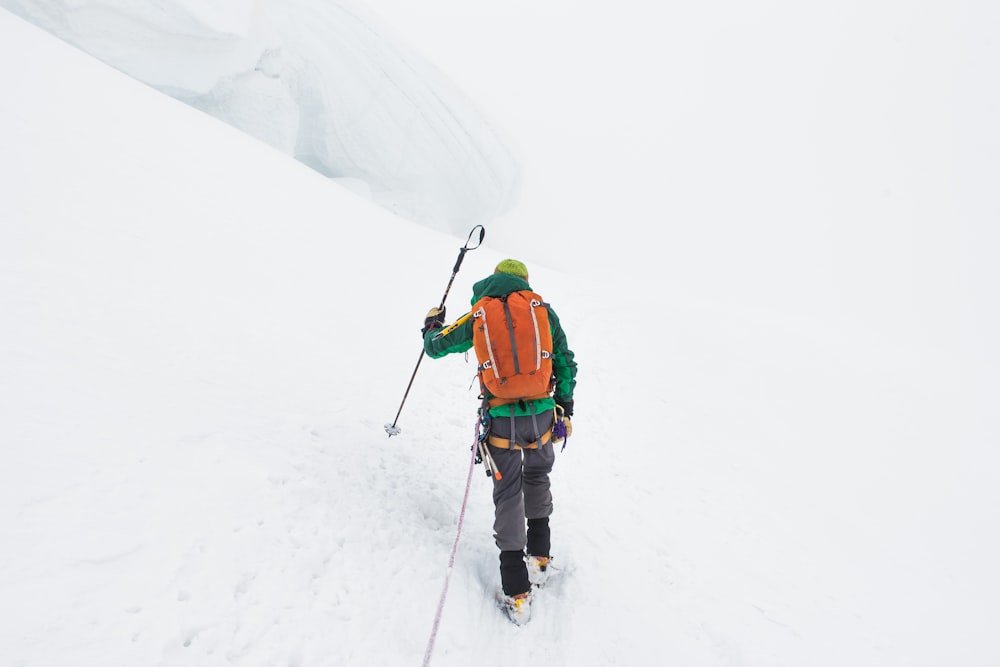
pixel 768 236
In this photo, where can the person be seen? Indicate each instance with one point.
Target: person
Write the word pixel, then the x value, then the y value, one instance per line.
pixel 521 448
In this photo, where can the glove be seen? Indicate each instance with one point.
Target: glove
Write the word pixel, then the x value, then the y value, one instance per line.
pixel 434 320
pixel 567 406
pixel 563 427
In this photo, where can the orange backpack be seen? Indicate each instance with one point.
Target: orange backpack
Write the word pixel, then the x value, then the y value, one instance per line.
pixel 513 344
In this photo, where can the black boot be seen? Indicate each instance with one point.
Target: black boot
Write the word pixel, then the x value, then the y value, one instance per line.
pixel 513 573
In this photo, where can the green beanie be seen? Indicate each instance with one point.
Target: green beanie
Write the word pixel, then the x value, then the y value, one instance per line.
pixel 513 267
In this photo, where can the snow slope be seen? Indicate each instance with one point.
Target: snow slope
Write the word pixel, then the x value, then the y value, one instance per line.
pixel 202 339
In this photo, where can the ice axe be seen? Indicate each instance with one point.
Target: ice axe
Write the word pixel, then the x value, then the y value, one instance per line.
pixel 392 429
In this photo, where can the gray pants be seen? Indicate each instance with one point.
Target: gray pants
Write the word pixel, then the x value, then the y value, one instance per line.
pixel 524 490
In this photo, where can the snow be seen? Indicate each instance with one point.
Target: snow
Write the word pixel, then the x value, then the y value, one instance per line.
pixel 768 231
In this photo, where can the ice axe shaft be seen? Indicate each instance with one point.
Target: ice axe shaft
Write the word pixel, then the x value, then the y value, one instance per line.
pixel 454 325
pixel 392 429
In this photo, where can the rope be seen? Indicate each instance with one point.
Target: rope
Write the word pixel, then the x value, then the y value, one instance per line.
pixel 451 559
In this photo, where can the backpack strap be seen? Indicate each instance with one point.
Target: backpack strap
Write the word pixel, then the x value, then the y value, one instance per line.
pixel 536 302
pixel 510 332
pixel 534 421
pixel 512 431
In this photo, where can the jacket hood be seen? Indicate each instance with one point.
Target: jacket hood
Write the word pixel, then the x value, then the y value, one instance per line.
pixel 498 284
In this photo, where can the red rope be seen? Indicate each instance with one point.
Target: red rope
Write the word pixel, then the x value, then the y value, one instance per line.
pixel 451 559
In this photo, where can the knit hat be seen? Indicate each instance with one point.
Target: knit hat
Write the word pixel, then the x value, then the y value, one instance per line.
pixel 513 267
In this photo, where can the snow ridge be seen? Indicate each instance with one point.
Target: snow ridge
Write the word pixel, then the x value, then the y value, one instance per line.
pixel 326 82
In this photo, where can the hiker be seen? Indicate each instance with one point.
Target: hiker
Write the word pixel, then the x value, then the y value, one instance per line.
pixel 520 427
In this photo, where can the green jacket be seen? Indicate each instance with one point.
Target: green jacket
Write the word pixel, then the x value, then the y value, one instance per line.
pixel 460 340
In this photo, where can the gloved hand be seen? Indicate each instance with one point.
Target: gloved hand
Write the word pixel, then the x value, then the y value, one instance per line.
pixel 563 428
pixel 567 406
pixel 435 319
